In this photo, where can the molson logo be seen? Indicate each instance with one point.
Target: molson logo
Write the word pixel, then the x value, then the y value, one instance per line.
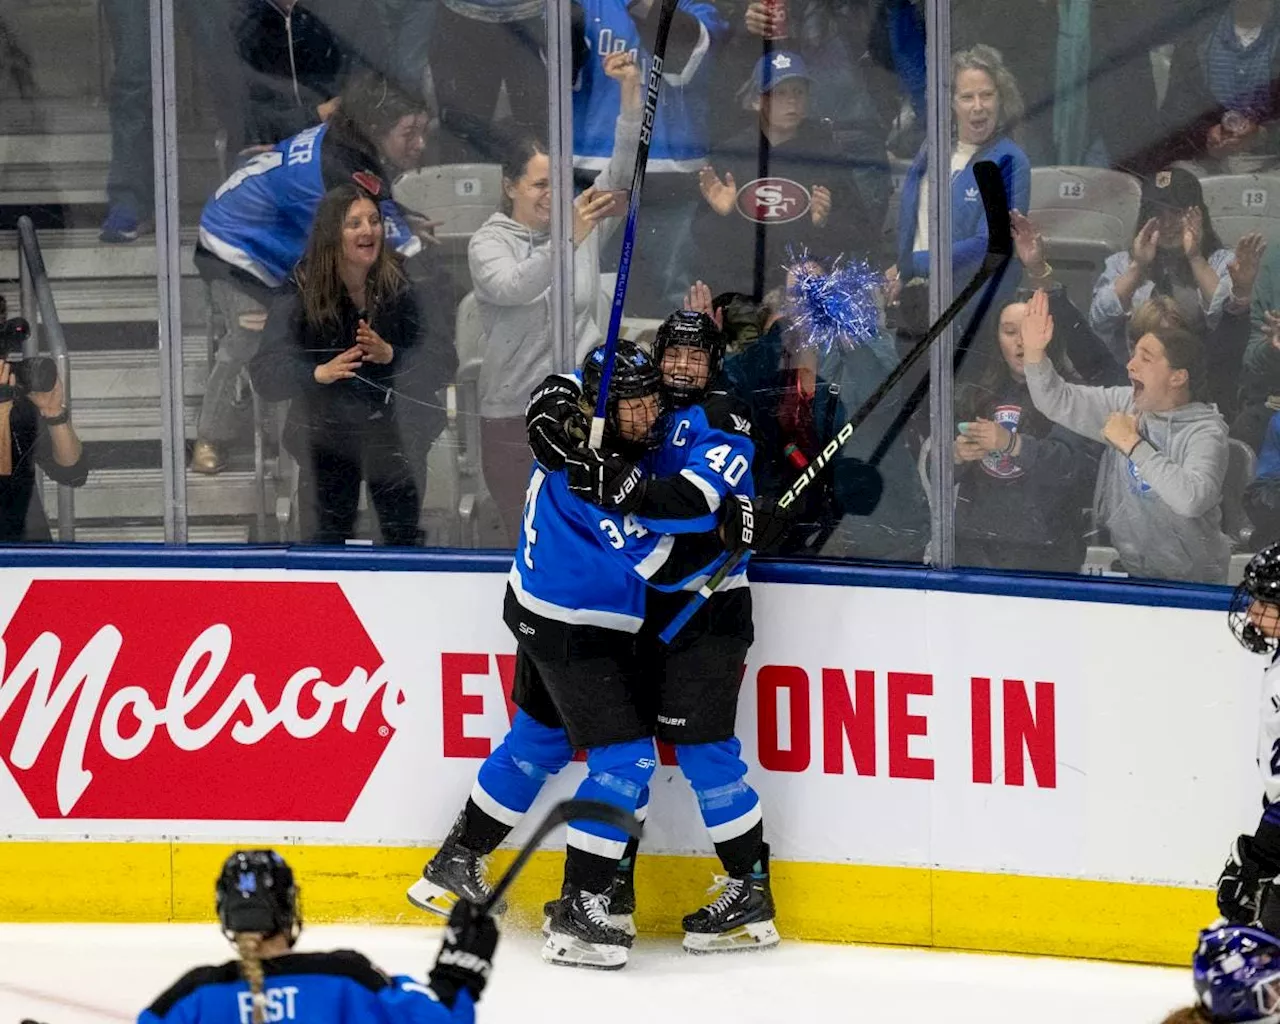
pixel 773 200
pixel 191 700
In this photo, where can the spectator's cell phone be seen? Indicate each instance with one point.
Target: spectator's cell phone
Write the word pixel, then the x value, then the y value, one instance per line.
pixel 619 197
pixel 962 428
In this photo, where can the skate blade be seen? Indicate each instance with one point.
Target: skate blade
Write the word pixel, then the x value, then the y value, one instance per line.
pixel 570 951
pixel 435 899
pixel 758 935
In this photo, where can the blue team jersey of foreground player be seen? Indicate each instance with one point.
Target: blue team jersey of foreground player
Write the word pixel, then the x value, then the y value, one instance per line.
pixel 586 566
pixel 710 446
pixel 260 218
pixel 341 987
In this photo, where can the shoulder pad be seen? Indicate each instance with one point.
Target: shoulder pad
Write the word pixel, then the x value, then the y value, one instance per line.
pixel 726 411
pixel 195 979
pixel 341 963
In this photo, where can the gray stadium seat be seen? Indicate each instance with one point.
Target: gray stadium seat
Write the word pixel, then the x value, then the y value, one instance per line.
pixel 1085 214
pixel 1241 203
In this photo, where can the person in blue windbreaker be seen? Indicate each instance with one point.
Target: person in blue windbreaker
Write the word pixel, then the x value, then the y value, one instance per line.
pixel 986 111
pixel 257 902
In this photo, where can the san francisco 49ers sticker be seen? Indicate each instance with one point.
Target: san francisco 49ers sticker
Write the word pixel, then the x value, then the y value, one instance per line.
pixel 773 200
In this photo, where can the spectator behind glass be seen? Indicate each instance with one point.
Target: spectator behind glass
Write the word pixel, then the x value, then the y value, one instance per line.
pixel 664 256
pixel 255 228
pixel 1224 91
pixel 511 273
pixel 334 346
pixel 293 65
pixel 1262 496
pixel 782 174
pixel 35 430
pixel 131 197
pixel 800 399
pixel 1260 377
pixel 987 108
pixel 1175 252
pixel 1021 480
pixel 857 99
pixel 1159 487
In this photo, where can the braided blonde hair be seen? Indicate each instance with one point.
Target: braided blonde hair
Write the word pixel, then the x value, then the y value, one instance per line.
pixel 249 945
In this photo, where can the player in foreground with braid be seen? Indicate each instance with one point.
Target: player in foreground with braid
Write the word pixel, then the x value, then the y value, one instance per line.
pixel 1236 972
pixel 257 903
pixel 1247 888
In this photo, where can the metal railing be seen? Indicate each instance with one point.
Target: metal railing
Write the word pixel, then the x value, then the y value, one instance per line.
pixel 42 314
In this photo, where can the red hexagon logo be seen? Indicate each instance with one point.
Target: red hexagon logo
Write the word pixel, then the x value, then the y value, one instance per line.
pixel 191 700
pixel 773 200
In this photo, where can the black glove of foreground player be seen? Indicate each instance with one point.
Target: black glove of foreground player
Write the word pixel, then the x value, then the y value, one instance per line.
pixel 555 421
pixel 1241 882
pixel 755 524
pixel 466 955
pixel 606 480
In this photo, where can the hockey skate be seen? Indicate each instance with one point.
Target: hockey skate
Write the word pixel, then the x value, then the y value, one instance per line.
pixel 581 935
pixel 622 902
pixel 740 917
pixel 452 873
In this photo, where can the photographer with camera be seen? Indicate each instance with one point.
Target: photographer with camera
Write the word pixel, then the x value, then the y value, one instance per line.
pixel 35 428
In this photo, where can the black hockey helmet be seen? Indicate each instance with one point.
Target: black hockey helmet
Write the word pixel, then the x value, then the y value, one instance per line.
pixel 686 328
pixel 635 375
pixel 1261 583
pixel 256 893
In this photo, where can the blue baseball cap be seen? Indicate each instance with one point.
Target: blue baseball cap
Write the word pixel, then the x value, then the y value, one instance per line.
pixel 777 67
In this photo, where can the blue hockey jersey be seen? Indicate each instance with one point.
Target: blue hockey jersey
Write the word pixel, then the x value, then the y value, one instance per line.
pixel 586 566
pixel 710 446
pixel 341 987
pixel 260 218
pixel 680 130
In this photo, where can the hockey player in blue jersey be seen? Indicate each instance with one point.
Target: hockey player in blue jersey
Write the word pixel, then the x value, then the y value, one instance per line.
pixel 257 904
pixel 575 602
pixel 1247 888
pixel 702 468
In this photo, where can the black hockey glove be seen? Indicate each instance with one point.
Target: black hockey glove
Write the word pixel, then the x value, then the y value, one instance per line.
pixel 466 954
pixel 755 524
pixel 1241 882
pixel 555 421
pixel 606 480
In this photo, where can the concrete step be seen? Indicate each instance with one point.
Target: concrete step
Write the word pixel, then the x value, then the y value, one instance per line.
pixel 79 253
pixel 135 494
pixel 103 300
pixel 135 373
pixel 70 116
pixel 127 419
pixel 144 533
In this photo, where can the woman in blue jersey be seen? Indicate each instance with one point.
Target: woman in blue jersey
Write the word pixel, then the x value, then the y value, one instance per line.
pixel 257 903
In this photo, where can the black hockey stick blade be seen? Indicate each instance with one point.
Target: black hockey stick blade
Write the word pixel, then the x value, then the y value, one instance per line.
pixel 564 811
pixel 995 206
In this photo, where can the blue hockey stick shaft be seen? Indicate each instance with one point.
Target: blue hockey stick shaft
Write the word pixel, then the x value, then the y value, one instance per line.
pixel 652 90
pixel 995 204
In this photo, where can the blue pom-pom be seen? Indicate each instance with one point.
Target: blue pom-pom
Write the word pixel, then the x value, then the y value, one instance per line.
pixel 835 308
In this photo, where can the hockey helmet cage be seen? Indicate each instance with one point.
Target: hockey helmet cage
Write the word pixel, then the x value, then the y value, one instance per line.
pixel 256 893
pixel 1261 582
pixel 686 328
pixel 1236 972
pixel 635 375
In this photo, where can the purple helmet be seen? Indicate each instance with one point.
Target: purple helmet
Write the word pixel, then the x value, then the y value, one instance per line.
pixel 1236 971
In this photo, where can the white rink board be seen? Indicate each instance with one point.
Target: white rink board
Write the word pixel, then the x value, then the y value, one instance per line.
pixel 1151 747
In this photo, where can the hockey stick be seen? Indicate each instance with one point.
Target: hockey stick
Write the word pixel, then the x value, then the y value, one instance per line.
pixel 649 116
pixel 995 205
pixel 564 811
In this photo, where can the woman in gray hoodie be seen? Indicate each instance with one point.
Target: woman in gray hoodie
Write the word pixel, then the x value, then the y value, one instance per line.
pixel 1159 487
pixel 511 274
